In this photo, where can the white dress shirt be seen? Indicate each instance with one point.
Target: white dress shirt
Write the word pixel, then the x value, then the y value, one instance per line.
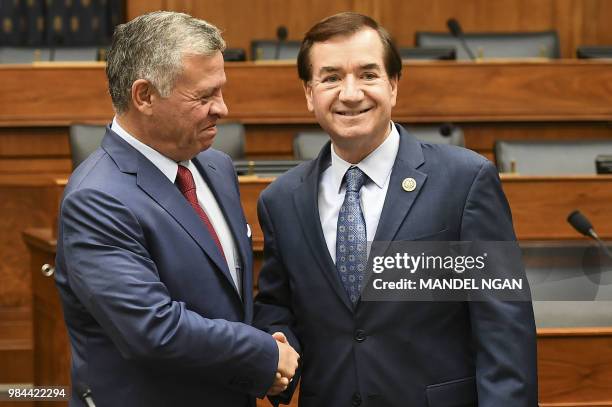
pixel 377 166
pixel 170 168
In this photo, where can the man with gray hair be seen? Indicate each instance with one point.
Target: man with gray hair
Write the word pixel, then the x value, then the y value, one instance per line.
pixel 153 257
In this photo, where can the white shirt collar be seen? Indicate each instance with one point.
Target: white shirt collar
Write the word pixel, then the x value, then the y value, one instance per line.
pixel 377 165
pixel 166 165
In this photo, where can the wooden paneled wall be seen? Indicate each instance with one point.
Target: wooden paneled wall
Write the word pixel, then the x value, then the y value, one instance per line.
pixel 578 22
pixel 25 201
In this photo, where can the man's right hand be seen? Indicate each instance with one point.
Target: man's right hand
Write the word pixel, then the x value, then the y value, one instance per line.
pixel 287 364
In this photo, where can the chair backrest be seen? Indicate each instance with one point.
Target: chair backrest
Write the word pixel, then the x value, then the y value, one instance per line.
pixel 230 139
pixel 265 168
pixel 234 54
pixel 272 49
pixel 84 140
pixel 442 53
pixel 27 55
pixel 307 145
pixel 544 44
pixel 550 157
pixel 600 51
pixel 75 53
pixel 23 55
pixel 442 134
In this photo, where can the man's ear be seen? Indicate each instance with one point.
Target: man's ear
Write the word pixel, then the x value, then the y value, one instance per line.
pixel 308 93
pixel 143 93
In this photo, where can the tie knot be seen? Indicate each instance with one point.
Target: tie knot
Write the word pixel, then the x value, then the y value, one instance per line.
pixel 355 178
pixel 184 179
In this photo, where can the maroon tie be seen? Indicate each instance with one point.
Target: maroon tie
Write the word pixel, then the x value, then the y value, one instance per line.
pixel 186 184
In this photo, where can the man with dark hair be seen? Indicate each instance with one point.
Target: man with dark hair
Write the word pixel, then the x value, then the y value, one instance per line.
pixel 376 182
pixel 153 258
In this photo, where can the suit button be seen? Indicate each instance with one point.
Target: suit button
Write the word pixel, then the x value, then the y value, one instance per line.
pixel 360 335
pixel 356 401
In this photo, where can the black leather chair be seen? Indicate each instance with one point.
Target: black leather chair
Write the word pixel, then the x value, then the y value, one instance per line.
pixel 80 54
pixel 307 144
pixel 435 53
pixel 23 55
pixel 594 52
pixel 28 55
pixel 230 139
pixel 543 44
pixel 234 55
pixel 84 139
pixel 273 50
pixel 550 157
pixel 442 134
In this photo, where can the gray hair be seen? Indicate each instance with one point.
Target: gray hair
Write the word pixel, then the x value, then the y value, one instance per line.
pixel 151 47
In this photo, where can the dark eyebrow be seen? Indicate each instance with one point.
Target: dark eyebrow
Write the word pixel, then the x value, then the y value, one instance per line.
pixel 333 69
pixel 328 69
pixel 370 66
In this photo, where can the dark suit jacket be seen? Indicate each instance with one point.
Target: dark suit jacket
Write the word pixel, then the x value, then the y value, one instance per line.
pixel 396 353
pixel 153 315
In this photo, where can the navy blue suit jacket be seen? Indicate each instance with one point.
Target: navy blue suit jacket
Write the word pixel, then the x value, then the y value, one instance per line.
pixel 435 354
pixel 153 315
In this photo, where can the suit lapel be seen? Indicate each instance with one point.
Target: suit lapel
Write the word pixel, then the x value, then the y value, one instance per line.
pixel 306 204
pixel 221 188
pixel 155 184
pixel 149 178
pixel 399 201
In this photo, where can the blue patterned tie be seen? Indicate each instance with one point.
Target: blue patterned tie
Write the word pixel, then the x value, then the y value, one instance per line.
pixel 351 239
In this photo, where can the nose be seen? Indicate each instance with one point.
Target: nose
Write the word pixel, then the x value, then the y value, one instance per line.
pixel 218 107
pixel 350 90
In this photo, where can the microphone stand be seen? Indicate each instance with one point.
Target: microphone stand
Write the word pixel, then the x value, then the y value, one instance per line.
pixel 600 243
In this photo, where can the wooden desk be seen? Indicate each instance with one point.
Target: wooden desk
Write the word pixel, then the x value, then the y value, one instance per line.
pixel 489 100
pixel 51 346
pixel 250 188
pixel 26 201
pixel 540 204
pixel 574 331
pixel 575 366
pixel 563 90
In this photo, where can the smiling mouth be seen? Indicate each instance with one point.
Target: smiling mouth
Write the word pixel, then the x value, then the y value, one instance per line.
pixel 355 113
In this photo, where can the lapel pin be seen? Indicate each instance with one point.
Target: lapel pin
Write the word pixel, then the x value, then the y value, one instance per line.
pixel 409 184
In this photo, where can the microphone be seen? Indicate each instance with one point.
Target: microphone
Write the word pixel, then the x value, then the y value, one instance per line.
pixel 84 393
pixel 281 36
pixel 445 129
pixel 455 29
pixel 584 226
pixel 58 40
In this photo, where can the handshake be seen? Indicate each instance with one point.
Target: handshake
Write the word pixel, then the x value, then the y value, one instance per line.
pixel 287 364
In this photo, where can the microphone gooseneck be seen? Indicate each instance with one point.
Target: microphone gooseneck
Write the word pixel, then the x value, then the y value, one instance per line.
pixel 582 224
pixel 281 36
pixel 455 29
